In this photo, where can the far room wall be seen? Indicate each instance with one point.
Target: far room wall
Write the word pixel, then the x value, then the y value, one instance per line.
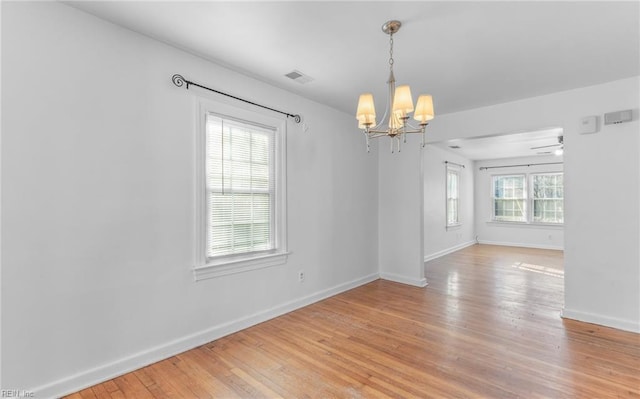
pixel 513 234
pixel 475 205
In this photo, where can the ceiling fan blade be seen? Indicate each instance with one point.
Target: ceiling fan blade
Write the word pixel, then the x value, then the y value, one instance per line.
pixel 545 146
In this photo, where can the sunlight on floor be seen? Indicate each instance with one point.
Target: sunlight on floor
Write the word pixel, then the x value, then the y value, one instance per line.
pixel 549 271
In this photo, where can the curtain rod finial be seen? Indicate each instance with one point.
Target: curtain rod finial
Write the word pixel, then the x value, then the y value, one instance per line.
pixel 178 80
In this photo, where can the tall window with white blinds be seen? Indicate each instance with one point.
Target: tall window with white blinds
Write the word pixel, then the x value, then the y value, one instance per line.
pixel 240 187
pixel 453 194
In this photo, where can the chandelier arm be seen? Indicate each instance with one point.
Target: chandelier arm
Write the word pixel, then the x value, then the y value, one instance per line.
pixel 410 126
pixel 412 131
pixel 384 118
pixel 375 131
pixel 376 134
pixel 420 127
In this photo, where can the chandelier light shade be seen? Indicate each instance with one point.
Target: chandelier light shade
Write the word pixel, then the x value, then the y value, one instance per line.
pixel 395 122
pixel 424 109
pixel 402 101
pixel 366 109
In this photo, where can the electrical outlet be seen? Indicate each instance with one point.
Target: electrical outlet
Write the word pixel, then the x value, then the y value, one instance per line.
pixel 301 276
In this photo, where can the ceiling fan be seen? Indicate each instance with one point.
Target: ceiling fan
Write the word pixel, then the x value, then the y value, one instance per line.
pixel 558 151
pixel 560 143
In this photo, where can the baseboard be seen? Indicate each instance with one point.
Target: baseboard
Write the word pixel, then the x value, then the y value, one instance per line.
pixel 422 282
pixel 119 367
pixel 620 324
pixel 449 250
pixel 524 245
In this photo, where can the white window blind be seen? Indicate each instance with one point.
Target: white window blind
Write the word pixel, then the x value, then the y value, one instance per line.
pixel 240 187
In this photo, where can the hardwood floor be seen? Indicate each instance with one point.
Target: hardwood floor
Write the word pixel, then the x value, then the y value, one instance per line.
pixel 488 325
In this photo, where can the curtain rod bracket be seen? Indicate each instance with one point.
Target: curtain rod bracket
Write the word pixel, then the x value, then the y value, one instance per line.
pixel 180 81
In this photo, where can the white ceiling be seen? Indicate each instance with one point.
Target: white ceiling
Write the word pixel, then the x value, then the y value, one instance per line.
pixel 466 54
pixel 506 146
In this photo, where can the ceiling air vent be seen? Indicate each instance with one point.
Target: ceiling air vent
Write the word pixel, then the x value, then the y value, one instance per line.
pixel 299 77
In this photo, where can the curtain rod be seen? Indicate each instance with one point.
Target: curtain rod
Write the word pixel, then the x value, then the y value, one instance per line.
pixel 453 163
pixel 179 81
pixel 513 166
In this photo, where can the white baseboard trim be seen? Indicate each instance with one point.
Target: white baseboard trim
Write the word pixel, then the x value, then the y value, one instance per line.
pixel 144 358
pixel 620 324
pixel 398 278
pixel 447 251
pixel 524 245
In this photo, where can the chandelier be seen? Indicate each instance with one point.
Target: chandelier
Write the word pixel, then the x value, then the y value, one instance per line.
pixel 395 122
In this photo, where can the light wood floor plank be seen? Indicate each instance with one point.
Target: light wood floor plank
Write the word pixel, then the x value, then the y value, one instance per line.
pixel 487 326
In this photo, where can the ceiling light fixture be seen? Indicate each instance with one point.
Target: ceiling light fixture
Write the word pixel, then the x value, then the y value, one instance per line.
pixel 395 122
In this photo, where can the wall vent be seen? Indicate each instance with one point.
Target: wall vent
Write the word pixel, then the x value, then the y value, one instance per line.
pixel 299 77
pixel 612 118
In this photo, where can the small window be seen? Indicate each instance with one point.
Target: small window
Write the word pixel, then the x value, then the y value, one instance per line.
pixel 453 195
pixel 509 198
pixel 241 201
pixel 548 198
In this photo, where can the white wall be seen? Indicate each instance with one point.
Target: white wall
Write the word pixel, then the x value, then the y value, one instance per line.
pixel 400 230
pixel 602 231
pixel 438 240
pixel 513 234
pixel 98 203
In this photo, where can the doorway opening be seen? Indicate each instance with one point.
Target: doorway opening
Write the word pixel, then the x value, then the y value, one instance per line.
pixel 504 190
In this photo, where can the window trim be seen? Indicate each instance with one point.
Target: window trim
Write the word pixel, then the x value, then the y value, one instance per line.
pixel 455 170
pixel 206 268
pixel 528 201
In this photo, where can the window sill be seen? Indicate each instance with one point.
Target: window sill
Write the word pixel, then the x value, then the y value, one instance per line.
pixel 227 266
pixel 525 224
pixel 453 226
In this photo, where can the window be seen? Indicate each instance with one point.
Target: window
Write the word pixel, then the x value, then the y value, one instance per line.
pixel 509 198
pixel 544 194
pixel 453 194
pixel 241 187
pixel 548 198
